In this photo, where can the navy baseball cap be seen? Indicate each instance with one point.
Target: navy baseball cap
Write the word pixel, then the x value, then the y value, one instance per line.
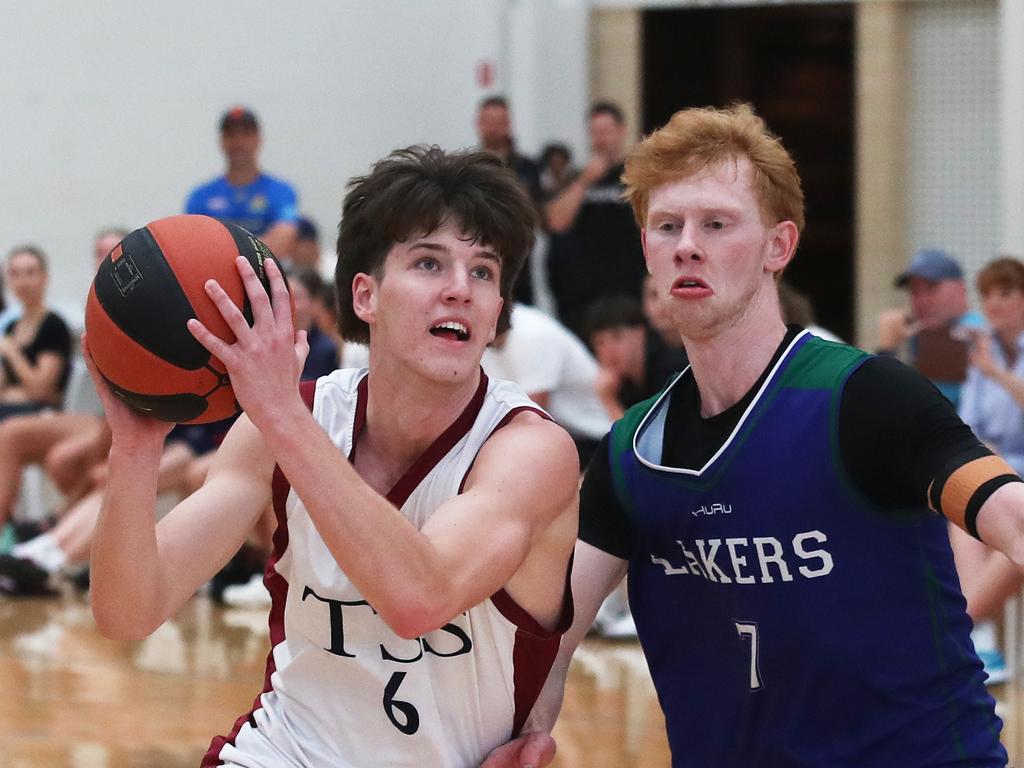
pixel 933 266
pixel 239 117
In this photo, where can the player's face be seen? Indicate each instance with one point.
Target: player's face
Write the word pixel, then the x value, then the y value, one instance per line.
pixel 435 309
pixel 1004 308
pixel 710 251
pixel 240 145
pixel 27 279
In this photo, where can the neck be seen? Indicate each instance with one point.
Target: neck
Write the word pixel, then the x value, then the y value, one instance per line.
pixel 728 362
pixel 32 311
pixel 404 414
pixel 240 175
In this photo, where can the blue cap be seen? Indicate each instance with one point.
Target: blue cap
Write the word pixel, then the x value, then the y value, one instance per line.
pixel 933 266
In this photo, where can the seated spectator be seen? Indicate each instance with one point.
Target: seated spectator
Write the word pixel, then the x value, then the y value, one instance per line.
pixel 555 369
pixel 992 404
pixel 68 443
pixel 927 337
pixel 556 169
pixel 306 252
pixel 634 363
pixel 325 315
pixel 36 347
pixel 305 284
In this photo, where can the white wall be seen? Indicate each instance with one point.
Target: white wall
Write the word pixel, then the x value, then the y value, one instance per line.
pixel 110 108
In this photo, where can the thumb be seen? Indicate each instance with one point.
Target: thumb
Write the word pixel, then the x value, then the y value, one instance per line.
pixel 537 751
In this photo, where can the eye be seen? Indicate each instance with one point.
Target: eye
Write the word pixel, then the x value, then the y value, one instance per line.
pixel 667 226
pixel 427 263
pixel 483 272
pixel 715 224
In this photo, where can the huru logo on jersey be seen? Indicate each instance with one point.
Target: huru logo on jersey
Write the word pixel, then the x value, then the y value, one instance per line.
pixel 713 509
pixel 754 560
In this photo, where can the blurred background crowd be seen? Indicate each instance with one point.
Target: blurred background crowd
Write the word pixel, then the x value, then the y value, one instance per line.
pixel 902 117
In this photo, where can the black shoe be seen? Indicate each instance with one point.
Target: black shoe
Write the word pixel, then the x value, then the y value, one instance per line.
pixel 240 568
pixel 20 577
pixel 29 529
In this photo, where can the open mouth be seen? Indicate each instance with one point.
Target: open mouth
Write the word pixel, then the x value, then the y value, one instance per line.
pixel 451 330
pixel 688 282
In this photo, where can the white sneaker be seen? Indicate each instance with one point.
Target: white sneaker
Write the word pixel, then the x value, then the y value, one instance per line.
pixel 252 594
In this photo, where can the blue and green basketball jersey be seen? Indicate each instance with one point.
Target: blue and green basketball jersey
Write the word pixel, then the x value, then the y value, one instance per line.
pixel 786 620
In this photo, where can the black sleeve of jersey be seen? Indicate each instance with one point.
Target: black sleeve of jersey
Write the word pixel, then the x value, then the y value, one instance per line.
pixel 898 434
pixel 603 522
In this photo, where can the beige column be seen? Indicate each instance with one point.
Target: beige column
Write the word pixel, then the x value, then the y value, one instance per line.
pixel 616 52
pixel 881 146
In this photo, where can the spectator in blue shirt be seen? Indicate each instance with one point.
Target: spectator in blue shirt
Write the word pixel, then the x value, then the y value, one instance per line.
pixel 264 205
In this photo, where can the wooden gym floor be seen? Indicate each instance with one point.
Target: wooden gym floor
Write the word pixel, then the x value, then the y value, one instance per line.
pixel 72 699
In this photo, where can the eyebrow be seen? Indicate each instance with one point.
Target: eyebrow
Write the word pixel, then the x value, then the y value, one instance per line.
pixel 484 253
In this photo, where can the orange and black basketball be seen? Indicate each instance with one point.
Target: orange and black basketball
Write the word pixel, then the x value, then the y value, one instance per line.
pixel 142 296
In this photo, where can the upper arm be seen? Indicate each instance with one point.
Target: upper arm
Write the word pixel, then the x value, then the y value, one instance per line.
pixel 524 479
pixel 204 530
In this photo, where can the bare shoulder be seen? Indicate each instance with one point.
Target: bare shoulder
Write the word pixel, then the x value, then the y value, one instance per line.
pixel 531 448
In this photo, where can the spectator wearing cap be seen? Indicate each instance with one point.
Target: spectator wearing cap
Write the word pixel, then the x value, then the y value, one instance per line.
pixel 931 336
pixel 264 205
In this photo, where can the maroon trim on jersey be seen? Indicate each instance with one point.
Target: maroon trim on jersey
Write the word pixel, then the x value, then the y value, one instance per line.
pixel 534 648
pixel 278 588
pixel 420 468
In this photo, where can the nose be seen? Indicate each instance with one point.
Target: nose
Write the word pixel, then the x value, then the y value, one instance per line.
pixel 688 246
pixel 457 286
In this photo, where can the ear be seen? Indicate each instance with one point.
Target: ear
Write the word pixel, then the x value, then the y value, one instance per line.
pixel 364 297
pixel 781 246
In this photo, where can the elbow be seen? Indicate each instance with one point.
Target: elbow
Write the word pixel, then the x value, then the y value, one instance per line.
pixel 412 618
pixel 113 624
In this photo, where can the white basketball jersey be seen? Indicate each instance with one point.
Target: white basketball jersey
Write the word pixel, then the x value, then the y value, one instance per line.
pixel 343 690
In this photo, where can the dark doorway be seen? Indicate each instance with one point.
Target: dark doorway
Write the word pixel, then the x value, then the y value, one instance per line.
pixel 795 65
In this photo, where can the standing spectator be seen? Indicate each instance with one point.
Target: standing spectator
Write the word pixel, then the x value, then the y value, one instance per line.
pixel 992 404
pixel 555 369
pixel 595 248
pixel 36 347
pixel 927 337
pixel 494 132
pixel 244 195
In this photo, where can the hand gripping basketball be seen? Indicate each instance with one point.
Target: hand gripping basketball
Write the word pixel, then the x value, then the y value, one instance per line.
pixel 265 360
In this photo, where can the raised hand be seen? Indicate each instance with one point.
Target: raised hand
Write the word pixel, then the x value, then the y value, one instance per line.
pixel 265 361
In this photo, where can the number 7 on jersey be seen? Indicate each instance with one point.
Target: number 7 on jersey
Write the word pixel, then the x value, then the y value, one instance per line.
pixel 748 629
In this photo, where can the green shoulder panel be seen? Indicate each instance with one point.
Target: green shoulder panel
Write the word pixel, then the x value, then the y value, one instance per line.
pixel 821 364
pixel 621 443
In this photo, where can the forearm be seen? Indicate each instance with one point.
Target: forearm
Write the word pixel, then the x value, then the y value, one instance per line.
pixel 561 212
pixel 38 381
pixel 125 571
pixel 364 532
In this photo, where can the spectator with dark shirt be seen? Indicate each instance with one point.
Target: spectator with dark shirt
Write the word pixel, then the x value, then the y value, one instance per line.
pixel 306 286
pixel 494 132
pixel 36 347
pixel 595 245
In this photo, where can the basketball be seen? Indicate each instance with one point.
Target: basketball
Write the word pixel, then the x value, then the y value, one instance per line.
pixel 143 294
